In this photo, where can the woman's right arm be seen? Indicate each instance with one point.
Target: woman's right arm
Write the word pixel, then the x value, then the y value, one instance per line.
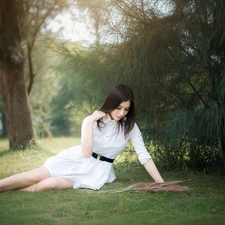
pixel 87 133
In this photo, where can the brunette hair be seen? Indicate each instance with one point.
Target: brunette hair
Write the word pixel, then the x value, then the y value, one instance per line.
pixel 117 94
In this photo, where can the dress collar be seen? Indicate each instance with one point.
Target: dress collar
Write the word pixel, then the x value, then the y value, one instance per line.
pixel 106 119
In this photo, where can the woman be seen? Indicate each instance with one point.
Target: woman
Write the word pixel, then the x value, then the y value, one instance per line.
pixel 104 135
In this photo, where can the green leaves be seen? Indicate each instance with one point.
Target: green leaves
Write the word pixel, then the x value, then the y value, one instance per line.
pixel 174 64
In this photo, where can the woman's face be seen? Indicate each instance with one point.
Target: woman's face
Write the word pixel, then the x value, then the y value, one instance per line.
pixel 120 111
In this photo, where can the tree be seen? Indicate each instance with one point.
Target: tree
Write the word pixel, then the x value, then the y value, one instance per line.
pixel 38 14
pixel 20 21
pixel 174 62
pixel 13 86
pixel 201 119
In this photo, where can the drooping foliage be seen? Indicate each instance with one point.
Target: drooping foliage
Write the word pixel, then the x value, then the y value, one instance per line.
pixel 174 62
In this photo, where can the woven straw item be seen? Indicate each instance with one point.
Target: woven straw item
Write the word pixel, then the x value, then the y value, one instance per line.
pixel 169 186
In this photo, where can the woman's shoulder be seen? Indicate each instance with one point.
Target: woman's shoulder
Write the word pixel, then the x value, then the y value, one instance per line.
pixel 85 121
pixel 135 125
pixel 135 129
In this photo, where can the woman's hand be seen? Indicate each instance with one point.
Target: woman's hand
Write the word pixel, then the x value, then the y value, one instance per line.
pixel 96 115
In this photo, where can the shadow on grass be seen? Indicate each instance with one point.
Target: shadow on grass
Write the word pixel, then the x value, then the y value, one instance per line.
pixel 6 152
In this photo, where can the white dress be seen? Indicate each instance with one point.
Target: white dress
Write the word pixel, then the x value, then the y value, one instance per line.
pixel 91 172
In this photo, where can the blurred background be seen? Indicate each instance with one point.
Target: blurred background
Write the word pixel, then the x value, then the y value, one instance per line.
pixel 58 58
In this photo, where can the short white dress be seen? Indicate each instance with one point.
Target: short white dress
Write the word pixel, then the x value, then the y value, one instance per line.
pixel 92 173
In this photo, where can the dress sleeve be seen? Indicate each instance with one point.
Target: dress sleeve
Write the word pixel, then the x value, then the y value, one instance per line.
pixel 138 143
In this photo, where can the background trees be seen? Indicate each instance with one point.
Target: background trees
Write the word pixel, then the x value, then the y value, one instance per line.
pixel 20 24
pixel 174 62
pixel 170 52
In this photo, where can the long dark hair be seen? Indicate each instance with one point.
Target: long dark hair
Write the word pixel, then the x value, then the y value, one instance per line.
pixel 117 94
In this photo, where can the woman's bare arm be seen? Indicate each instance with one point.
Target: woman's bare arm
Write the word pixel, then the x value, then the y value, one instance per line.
pixel 153 171
pixel 87 140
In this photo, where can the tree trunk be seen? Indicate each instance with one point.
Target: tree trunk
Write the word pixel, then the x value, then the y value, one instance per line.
pixel 222 141
pixel 31 73
pixel 47 130
pixel 14 95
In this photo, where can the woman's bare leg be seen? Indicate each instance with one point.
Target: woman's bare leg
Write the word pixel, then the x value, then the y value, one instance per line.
pixel 51 183
pixel 25 179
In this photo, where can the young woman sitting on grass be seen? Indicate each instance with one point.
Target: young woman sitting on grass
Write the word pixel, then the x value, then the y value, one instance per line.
pixel 104 135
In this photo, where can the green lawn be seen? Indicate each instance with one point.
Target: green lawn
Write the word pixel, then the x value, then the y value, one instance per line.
pixel 204 204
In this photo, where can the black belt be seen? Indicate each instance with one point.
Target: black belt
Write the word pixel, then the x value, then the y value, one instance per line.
pixel 102 158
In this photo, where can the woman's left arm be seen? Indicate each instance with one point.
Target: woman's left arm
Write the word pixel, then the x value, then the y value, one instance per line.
pixel 143 155
pixel 153 171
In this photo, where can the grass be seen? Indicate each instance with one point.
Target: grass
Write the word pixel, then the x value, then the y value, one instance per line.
pixel 203 205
